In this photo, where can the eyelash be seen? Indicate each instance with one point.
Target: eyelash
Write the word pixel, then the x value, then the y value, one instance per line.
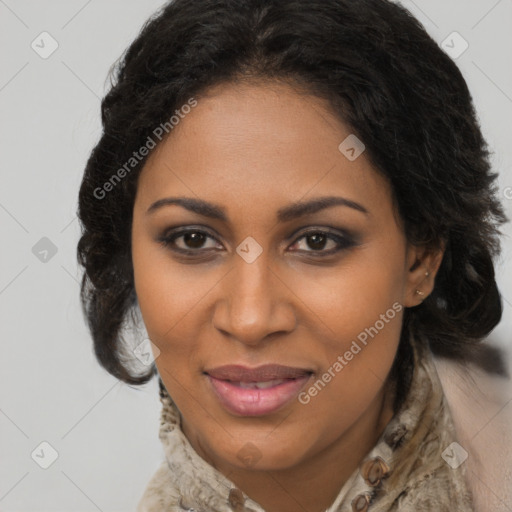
pixel 344 241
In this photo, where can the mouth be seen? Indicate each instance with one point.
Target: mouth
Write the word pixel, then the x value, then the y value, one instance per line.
pixel 256 391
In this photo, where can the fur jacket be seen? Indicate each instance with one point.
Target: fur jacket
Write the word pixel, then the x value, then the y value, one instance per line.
pixel 447 449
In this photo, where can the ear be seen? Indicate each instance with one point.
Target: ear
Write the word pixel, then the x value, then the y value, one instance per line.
pixel 423 263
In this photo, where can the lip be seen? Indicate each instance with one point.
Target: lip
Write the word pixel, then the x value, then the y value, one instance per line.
pixel 227 382
pixel 239 373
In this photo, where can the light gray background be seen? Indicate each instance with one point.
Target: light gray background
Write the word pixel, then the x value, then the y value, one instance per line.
pixel 51 387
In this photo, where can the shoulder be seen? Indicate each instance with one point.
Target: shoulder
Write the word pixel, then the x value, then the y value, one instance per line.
pixel 481 407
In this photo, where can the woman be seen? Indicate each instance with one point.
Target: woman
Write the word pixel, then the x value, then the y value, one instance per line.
pixel 298 199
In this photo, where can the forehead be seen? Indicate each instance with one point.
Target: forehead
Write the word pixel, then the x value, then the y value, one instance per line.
pixel 259 144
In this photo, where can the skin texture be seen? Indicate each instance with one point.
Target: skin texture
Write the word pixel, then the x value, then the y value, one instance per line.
pixel 253 148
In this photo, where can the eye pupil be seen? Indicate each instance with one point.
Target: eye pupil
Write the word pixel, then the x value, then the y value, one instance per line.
pixel 315 237
pixel 194 237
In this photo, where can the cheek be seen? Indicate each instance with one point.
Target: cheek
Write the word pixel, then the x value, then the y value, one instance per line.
pixel 165 294
pixel 356 362
pixel 351 296
pixel 359 306
pixel 166 307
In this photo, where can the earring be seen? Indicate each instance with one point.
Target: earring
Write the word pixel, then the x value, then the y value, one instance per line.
pixel 427 273
pixel 420 293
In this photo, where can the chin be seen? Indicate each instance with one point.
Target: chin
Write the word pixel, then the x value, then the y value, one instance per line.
pixel 264 455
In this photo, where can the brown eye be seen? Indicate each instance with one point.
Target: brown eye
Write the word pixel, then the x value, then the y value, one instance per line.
pixel 317 241
pixel 192 241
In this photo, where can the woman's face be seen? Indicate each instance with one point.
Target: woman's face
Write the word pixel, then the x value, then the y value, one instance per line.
pixel 251 276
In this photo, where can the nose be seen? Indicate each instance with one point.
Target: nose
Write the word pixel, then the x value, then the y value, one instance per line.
pixel 255 303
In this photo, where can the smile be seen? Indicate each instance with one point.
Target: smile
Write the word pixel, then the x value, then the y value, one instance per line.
pixel 259 391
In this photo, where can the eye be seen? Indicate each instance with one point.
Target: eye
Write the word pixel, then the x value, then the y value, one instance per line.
pixel 192 242
pixel 319 239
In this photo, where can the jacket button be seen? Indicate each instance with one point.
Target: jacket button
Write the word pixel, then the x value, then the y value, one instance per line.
pixel 185 506
pixel 361 503
pixel 236 499
pixel 374 470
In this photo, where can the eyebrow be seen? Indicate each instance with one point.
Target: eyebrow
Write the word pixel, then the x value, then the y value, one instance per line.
pixel 285 214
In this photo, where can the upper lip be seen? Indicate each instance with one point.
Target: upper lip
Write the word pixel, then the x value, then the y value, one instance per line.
pixel 266 372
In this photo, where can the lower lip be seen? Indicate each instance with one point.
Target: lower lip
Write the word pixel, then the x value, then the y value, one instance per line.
pixel 256 402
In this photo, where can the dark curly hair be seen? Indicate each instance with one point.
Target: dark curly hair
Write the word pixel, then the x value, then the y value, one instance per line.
pixel 385 78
